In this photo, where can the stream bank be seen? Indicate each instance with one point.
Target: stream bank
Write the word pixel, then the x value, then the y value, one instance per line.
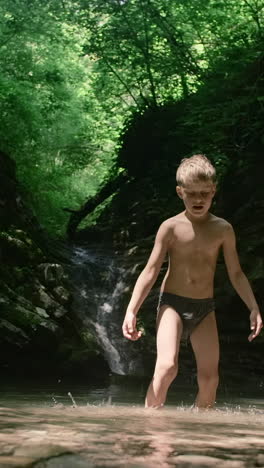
pixel 38 334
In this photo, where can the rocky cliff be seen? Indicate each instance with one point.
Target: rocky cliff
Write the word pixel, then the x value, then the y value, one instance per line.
pixel 38 333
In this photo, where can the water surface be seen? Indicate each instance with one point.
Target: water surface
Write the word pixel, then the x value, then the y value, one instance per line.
pixel 107 426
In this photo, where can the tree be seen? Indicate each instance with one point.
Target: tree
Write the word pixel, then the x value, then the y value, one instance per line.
pixel 73 72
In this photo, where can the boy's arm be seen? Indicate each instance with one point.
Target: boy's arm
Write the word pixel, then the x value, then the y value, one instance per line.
pixel 145 281
pixel 240 281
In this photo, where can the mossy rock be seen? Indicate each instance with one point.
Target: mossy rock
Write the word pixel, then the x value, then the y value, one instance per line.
pixel 17 251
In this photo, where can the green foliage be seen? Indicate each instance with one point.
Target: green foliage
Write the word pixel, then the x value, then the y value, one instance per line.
pixel 73 73
pixel 49 113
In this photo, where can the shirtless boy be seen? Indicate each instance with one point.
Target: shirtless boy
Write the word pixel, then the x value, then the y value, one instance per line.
pixel 192 241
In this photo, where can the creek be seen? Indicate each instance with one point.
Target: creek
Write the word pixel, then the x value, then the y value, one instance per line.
pixel 96 422
pixel 103 424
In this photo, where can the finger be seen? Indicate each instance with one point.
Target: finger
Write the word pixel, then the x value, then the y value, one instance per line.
pixel 131 333
pixel 135 336
pixel 126 332
pixel 251 336
pixel 254 334
pixel 128 335
pixel 258 329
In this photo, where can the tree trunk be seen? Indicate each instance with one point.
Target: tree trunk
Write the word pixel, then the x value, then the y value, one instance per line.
pixel 78 215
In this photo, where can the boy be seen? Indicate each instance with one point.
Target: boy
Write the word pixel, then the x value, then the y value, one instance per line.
pixel 192 240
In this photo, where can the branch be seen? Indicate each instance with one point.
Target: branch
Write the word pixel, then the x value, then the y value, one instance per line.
pixel 78 215
pixel 176 43
pixel 121 80
pixel 143 50
pixel 147 58
pixel 255 15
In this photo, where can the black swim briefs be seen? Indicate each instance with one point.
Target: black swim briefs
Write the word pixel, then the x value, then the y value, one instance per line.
pixel 192 311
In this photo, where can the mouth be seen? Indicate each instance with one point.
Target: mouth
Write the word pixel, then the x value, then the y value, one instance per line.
pixel 197 207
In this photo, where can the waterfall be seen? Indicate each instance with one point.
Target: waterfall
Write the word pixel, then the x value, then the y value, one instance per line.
pixel 99 283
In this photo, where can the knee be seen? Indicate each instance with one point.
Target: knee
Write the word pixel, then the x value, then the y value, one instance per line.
pixel 208 379
pixel 167 369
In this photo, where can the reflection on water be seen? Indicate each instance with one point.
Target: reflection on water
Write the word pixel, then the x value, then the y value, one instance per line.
pixel 43 429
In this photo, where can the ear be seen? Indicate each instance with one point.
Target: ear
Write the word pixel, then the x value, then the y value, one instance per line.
pixel 179 191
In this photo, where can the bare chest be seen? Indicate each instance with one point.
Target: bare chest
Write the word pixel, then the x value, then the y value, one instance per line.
pixel 197 241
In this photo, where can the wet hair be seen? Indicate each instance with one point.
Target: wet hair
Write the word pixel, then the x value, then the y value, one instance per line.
pixel 197 168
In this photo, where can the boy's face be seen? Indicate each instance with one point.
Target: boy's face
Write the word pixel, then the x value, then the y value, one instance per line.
pixel 197 197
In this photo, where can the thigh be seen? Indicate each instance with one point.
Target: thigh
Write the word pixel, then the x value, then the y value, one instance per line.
pixel 169 331
pixel 205 344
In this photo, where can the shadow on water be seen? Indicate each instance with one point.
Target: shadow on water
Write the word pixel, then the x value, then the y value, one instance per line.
pixel 96 426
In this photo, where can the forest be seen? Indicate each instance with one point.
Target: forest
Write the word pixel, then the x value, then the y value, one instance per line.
pixel 100 100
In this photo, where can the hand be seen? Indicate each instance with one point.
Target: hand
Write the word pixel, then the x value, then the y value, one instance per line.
pixel 129 327
pixel 255 324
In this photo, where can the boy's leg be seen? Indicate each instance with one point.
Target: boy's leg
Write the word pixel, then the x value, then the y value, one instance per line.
pixel 205 344
pixel 169 330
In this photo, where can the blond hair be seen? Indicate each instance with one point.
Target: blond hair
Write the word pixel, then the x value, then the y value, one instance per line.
pixel 196 168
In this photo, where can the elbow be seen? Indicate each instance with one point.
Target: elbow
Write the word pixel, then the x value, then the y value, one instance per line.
pixel 150 274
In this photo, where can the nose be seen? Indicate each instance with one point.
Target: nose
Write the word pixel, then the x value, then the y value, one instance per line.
pixel 198 199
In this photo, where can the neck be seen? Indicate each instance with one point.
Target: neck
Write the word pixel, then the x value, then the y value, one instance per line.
pixel 196 219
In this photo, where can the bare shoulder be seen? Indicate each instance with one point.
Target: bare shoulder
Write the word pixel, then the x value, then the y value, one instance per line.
pixel 165 231
pixel 221 222
pixel 169 224
pixel 222 226
pixel 166 226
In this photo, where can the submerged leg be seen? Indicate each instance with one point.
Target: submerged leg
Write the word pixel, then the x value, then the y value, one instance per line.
pixel 169 330
pixel 205 344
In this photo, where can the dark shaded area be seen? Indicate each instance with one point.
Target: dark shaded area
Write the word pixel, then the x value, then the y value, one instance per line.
pixel 223 120
pixel 38 332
